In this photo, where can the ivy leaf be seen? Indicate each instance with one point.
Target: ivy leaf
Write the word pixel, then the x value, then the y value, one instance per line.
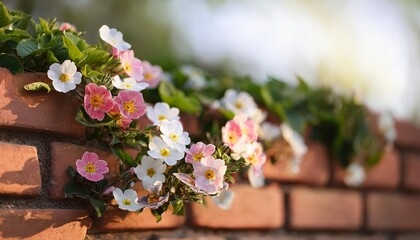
pixel 98 205
pixel 5 17
pixel 26 47
pixel 125 157
pixel 72 189
pixel 178 207
pixel 74 53
pixel 37 87
pixel 174 97
pixel 11 62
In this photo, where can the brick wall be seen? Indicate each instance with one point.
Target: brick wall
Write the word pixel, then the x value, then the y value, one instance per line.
pixel 39 138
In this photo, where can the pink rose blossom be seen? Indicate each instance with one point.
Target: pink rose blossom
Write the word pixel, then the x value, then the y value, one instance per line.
pixel 98 101
pixel 67 26
pixel 122 121
pixel 255 156
pixel 152 74
pixel 131 104
pixel 91 168
pixel 209 174
pixel 131 65
pixel 231 133
pixel 239 133
pixel 199 151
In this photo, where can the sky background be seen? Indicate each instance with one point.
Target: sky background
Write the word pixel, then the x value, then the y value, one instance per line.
pixel 367 49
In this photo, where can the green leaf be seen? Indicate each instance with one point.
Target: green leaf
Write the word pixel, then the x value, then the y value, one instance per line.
pixel 177 98
pixel 15 35
pixel 98 205
pixel 77 41
pixel 72 189
pixel 51 58
pixel 125 157
pixel 37 87
pixel 74 53
pixel 72 172
pixel 95 57
pixel 20 19
pixel 81 117
pixel 11 62
pixel 26 47
pixel 178 207
pixel 5 17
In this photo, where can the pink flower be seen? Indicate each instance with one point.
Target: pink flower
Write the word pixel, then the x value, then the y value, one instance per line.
pixel 199 151
pixel 255 156
pixel 131 65
pixel 91 168
pixel 238 133
pixel 209 174
pixel 231 133
pixel 98 101
pixel 152 74
pixel 248 128
pixel 67 26
pixel 122 121
pixel 131 104
pixel 190 182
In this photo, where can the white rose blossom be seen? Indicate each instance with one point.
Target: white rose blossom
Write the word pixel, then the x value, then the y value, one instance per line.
pixel 114 38
pixel 126 200
pixel 150 170
pixel 162 112
pixel 129 84
pixel 64 76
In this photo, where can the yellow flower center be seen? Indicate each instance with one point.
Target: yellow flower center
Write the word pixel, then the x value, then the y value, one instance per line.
pixel 148 76
pixel 173 137
pixel 90 168
pixel 127 67
pixel 126 202
pixel 252 159
pixel 64 77
pixel 210 174
pixel 232 137
pixel 129 107
pixel 165 152
pixel 128 86
pixel 197 157
pixel 162 117
pixel 238 105
pixel 152 198
pixel 96 100
pixel 151 172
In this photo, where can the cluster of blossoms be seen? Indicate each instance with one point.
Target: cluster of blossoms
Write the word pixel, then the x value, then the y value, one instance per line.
pixel 248 126
pixel 168 145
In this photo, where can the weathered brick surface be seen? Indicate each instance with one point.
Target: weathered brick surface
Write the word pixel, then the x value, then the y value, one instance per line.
pixel 43 224
pixel 411 171
pixel 19 170
pixel 385 175
pixel 320 209
pixel 408 237
pixel 53 112
pixel 349 237
pixel 66 154
pixel 114 220
pixel 252 208
pixel 314 169
pixel 393 211
pixel 408 135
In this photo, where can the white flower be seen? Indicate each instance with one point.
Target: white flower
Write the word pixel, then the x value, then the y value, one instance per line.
pixel 114 38
pixel 126 200
pixel 355 175
pixel 196 79
pixel 173 134
pixel 258 117
pixel 386 126
pixel 256 177
pixel 239 103
pixel 150 170
pixel 161 112
pixel 297 144
pixel 269 132
pixel 128 84
pixel 64 76
pixel 224 200
pixel 160 150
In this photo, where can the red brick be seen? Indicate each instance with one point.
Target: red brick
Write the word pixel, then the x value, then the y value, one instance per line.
pixel 66 154
pixel 252 208
pixel 314 169
pixel 194 238
pixel 393 211
pixel 317 209
pixel 43 224
pixel 385 175
pixel 408 135
pixel 408 237
pixel 113 220
pixel 19 170
pixel 349 237
pixel 53 112
pixel 411 171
